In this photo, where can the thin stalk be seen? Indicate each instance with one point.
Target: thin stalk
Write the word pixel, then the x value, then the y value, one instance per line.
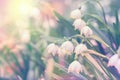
pixel 102 11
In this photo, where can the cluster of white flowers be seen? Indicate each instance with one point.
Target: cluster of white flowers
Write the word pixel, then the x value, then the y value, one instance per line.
pixel 67 48
pixel 80 24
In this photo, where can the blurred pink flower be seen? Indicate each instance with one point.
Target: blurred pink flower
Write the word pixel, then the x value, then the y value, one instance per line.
pixel 41 79
pixel 8 70
pixel 80 48
pixel 75 14
pixel 67 47
pixel 79 24
pixel 113 60
pixel 47 8
pixel 75 66
pixel 86 31
pixel 3 5
pixel 17 48
pixel 52 49
pixel 117 65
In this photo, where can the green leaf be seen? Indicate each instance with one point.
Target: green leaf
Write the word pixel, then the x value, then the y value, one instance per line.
pixel 96 17
pixel 117 29
pixel 65 27
pixel 101 41
pixel 100 34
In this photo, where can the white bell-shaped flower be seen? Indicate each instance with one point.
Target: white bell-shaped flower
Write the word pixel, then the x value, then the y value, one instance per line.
pixel 80 48
pixel 86 31
pixel 75 14
pixel 67 47
pixel 52 49
pixel 75 66
pixel 79 24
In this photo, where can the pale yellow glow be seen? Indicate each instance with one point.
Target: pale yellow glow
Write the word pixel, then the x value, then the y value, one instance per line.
pixel 19 8
pixel 24 9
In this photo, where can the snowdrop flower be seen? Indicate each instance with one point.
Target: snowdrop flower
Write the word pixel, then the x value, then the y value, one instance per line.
pixel 52 49
pixel 117 66
pixel 80 48
pixel 87 31
pixel 79 24
pixel 75 14
pixel 113 60
pixel 67 47
pixel 75 66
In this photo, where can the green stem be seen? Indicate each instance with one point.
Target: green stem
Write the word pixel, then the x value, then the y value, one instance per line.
pixel 102 11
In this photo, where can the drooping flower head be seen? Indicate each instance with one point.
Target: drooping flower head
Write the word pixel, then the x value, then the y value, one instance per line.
pixel 86 31
pixel 80 48
pixel 67 47
pixel 75 14
pixel 52 49
pixel 79 24
pixel 75 66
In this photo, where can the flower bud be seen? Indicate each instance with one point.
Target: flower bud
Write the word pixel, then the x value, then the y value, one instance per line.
pixel 67 47
pixel 75 66
pixel 80 48
pixel 75 14
pixel 79 24
pixel 52 49
pixel 113 60
pixel 86 31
